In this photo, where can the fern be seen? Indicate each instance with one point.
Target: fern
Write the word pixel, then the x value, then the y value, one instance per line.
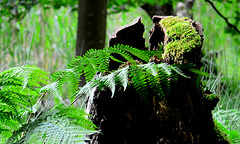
pixel 122 76
pixel 90 63
pixel 56 126
pixel 232 135
pixel 28 75
pixel 66 79
pixel 119 76
pixel 98 60
pixel 142 77
pixel 155 76
pixel 21 87
pixel 18 93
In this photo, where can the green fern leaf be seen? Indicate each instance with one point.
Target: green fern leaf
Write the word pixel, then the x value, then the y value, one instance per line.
pixel 18 92
pixel 54 89
pixel 109 81
pixel 165 67
pixel 56 126
pixel 122 76
pixel 150 67
pixel 177 70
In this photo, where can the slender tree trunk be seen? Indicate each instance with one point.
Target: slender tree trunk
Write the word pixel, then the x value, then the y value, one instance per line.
pixel 91 32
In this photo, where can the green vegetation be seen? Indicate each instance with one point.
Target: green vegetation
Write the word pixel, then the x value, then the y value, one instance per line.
pixel 232 135
pixel 47 38
pixel 182 36
pixel 212 97
pixel 21 89
pixel 221 61
pixel 21 119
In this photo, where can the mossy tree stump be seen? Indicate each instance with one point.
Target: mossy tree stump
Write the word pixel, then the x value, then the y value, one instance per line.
pixel 183 117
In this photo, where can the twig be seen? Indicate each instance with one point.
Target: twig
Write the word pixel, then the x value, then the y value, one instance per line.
pixel 226 20
pixel 41 97
pixel 26 123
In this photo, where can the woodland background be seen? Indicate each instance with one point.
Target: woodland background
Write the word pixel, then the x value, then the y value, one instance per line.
pixel 45 33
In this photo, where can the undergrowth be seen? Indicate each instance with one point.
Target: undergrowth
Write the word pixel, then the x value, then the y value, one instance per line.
pixel 24 88
pixel 52 53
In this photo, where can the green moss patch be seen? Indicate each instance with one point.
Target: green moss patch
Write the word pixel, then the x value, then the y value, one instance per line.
pixel 212 97
pixel 182 38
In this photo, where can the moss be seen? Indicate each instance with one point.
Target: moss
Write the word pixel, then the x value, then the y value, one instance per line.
pixel 210 101
pixel 212 97
pixel 182 38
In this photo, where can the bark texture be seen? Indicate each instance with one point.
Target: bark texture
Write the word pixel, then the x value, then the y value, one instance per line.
pixel 91 31
pixel 183 118
pixel 132 35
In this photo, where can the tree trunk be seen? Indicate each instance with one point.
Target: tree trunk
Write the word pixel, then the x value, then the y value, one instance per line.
pixel 184 117
pixel 91 32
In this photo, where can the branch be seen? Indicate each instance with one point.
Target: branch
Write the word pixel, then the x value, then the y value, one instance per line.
pixel 226 20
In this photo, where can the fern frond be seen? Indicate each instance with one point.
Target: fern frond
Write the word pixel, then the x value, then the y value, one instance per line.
pixel 165 67
pixel 59 125
pixel 117 50
pixel 90 63
pixel 85 90
pixel 9 121
pixel 142 77
pixel 144 55
pixel 4 132
pixel 109 81
pixel 122 76
pixel 54 89
pixel 18 92
pixel 179 71
pixel 98 60
pixel 153 76
pixel 68 77
pixel 77 116
pixel 30 75
pixel 150 67
pixel 139 81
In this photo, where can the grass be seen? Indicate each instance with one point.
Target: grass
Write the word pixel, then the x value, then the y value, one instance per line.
pixel 44 37
pixel 47 38
pixel 221 59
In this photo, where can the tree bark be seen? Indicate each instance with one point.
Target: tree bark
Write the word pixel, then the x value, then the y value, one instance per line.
pixel 131 34
pixel 91 31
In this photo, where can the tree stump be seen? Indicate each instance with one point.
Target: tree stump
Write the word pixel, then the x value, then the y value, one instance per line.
pixel 183 118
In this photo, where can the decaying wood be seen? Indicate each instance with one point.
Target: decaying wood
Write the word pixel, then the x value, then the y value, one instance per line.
pixel 132 35
pixel 184 118
pixel 158 36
